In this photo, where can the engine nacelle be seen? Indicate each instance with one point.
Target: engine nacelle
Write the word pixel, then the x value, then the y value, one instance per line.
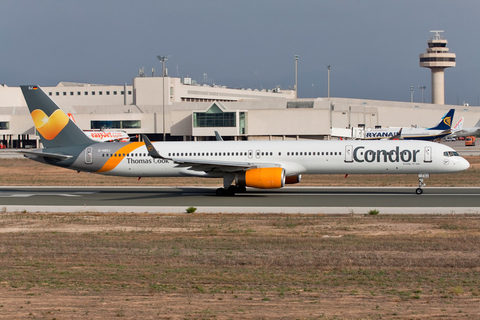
pixel 293 179
pixel 262 178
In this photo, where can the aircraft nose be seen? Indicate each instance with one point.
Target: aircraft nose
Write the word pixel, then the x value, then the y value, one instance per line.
pixel 463 164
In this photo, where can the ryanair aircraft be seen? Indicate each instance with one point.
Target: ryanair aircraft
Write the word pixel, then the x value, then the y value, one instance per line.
pixel 442 129
pixel 241 164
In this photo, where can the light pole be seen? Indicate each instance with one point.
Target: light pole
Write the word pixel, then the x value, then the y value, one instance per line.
pixel 296 83
pixel 163 58
pixel 411 93
pixel 328 80
pixel 422 88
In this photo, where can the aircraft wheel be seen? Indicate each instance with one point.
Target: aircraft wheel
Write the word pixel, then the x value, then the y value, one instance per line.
pixel 231 191
pixel 241 189
pixel 220 192
pixel 419 191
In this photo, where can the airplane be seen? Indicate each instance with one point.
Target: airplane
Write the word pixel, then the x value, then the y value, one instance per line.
pixel 442 129
pixel 105 135
pixel 459 131
pixel 241 164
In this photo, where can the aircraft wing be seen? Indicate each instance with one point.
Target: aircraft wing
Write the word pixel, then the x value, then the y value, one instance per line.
pixel 207 165
pixel 39 153
pixel 220 166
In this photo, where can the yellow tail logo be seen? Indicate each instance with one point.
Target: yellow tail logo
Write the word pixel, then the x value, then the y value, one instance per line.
pixel 49 127
pixel 447 121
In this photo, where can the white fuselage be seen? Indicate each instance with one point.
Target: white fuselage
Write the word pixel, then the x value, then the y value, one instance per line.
pixel 212 159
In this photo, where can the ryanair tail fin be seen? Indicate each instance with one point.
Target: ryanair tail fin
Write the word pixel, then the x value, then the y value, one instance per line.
pixel 55 128
pixel 446 121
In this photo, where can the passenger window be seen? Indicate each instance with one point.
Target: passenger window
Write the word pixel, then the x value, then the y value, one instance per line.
pixel 335 153
pixel 279 153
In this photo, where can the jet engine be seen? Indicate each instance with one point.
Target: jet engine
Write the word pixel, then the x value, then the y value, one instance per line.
pixel 262 178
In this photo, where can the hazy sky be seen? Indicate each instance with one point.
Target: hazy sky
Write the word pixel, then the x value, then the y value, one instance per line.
pixel 371 45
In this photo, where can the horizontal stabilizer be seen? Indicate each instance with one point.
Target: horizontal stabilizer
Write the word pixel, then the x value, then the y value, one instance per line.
pixel 39 153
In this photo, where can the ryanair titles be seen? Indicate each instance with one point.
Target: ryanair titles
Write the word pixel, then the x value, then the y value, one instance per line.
pixel 380 135
pixel 396 155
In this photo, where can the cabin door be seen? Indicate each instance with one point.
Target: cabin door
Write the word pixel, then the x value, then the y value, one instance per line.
pixel 88 155
pixel 348 153
pixel 428 154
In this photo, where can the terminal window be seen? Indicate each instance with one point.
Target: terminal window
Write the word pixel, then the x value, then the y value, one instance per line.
pixel 115 124
pixel 214 117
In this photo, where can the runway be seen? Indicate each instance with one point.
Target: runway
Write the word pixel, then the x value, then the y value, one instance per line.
pixel 326 200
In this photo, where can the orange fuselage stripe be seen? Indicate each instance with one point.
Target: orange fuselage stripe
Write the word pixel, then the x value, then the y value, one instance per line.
pixel 113 162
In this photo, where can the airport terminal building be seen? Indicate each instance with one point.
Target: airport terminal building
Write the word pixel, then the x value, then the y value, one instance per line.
pixel 192 112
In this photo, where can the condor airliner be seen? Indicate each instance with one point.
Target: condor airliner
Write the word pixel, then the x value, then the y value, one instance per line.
pixel 241 164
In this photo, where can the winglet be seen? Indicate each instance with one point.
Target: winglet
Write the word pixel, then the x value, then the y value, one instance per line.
pixel 218 136
pixel 152 152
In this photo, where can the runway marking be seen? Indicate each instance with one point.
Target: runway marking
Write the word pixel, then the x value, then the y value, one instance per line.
pixel 28 195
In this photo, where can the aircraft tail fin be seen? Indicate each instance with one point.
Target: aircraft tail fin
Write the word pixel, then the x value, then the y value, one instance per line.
pixel 459 124
pixel 55 128
pixel 446 121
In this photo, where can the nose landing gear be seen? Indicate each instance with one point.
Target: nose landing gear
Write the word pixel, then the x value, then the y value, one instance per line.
pixel 421 176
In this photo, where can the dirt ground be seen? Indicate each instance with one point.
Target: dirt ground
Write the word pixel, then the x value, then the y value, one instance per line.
pixel 192 266
pixel 246 266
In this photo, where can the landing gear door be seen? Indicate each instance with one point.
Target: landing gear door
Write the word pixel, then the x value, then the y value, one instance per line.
pixel 348 153
pixel 88 155
pixel 428 154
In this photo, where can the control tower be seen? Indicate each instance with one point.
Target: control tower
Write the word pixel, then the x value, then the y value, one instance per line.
pixel 437 58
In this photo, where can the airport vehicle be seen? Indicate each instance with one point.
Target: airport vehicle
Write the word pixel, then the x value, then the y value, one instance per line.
pixel 470 141
pixel 105 135
pixel 442 129
pixel 258 164
pixel 459 131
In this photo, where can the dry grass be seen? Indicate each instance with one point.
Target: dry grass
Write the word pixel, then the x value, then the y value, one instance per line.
pixel 16 172
pixel 239 266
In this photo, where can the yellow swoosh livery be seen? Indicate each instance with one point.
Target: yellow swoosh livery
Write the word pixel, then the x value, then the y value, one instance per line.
pixel 112 162
pixel 49 127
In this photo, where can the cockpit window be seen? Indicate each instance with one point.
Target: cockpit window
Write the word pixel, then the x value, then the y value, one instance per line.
pixel 451 154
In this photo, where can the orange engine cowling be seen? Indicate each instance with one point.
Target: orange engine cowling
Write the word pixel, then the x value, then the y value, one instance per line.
pixel 262 178
pixel 293 179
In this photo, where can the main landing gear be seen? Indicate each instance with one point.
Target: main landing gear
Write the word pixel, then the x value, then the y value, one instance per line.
pixel 421 176
pixel 230 191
